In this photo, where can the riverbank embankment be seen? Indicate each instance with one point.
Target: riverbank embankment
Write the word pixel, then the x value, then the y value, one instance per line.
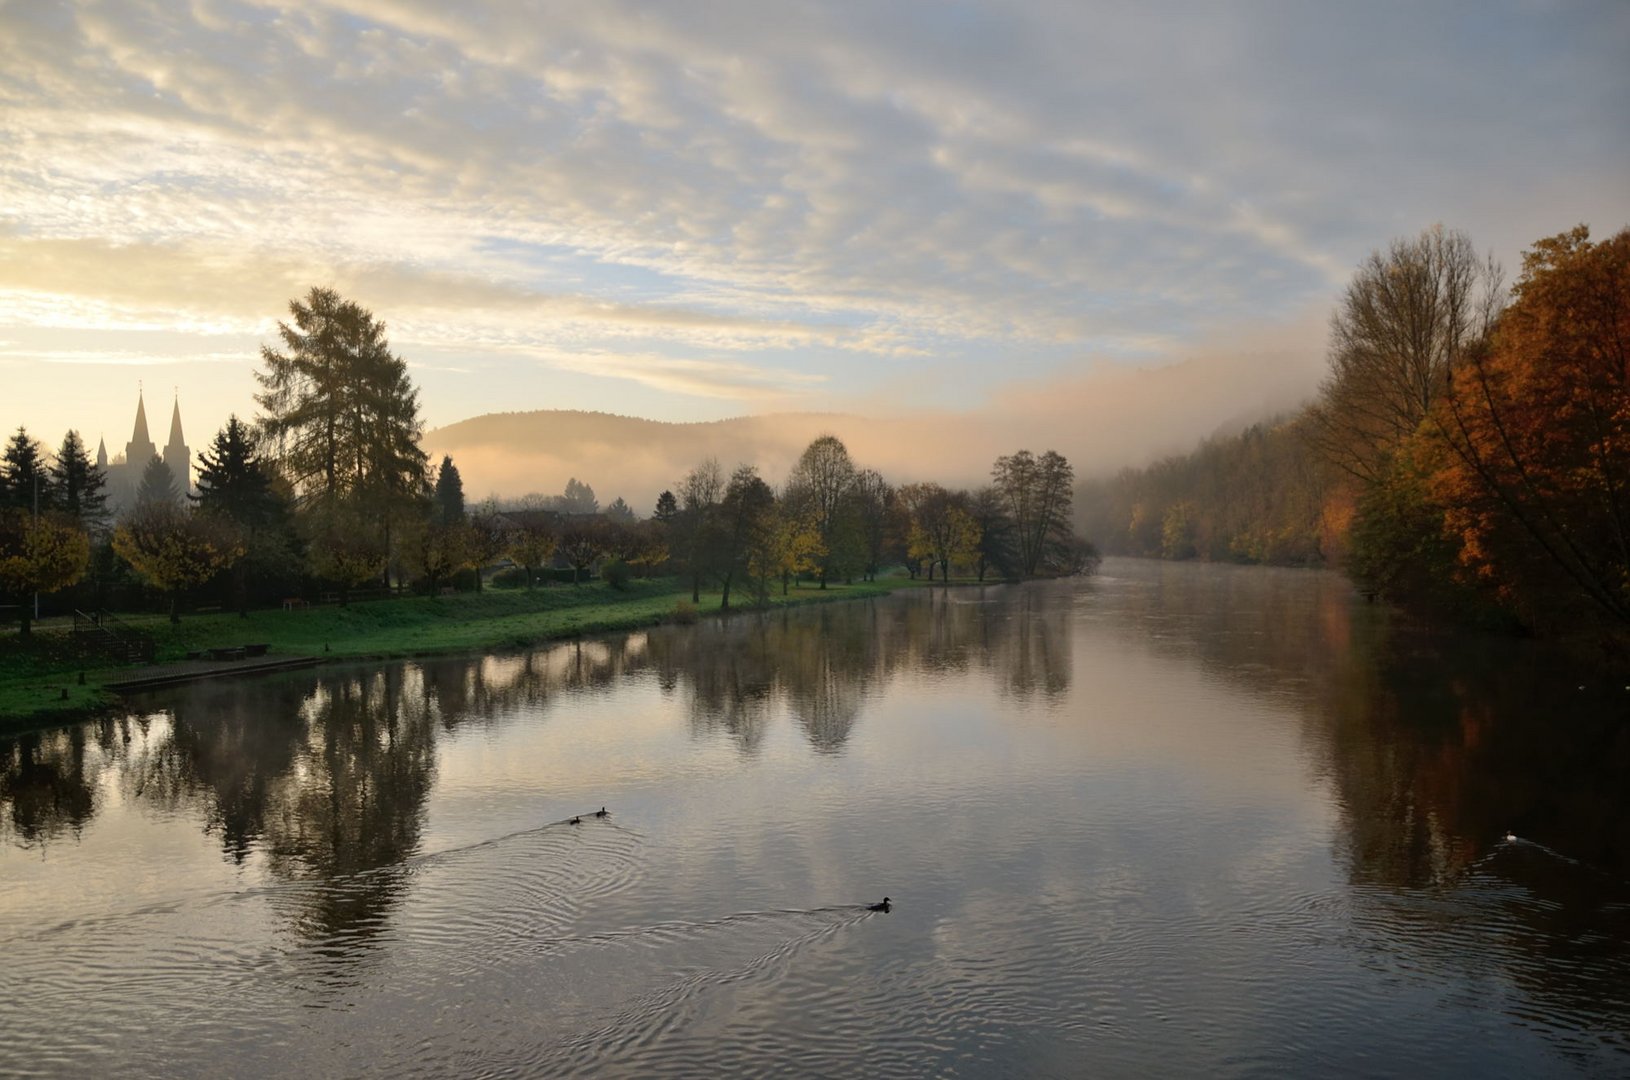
pixel 44 680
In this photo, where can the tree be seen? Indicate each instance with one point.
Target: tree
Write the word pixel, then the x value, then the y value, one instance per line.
pixel 699 494
pixel 24 479
pixel 943 530
pixel 667 508
pixel 1039 493
pixel 578 498
pixel 997 550
pixel 77 484
pixel 1535 433
pixel 435 550
pixel 488 538
pixel 158 484
pixel 531 543
pixel 344 549
pixel 871 496
pixel 1404 323
pixel 820 485
pixel 449 496
pixel 620 512
pixel 235 486
pixel 791 547
pixel 746 521
pixel 231 482
pixel 582 542
pixel 175 549
pixel 339 408
pixel 39 553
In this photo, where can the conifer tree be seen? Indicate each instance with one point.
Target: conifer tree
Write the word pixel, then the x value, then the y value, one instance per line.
pixel 24 479
pixel 157 484
pixel 79 485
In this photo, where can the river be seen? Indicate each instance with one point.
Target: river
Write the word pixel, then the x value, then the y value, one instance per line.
pixel 1170 820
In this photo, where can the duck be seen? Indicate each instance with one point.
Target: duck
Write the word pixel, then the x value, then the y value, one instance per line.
pixel 576 821
pixel 1510 837
pixel 884 907
pixel 602 812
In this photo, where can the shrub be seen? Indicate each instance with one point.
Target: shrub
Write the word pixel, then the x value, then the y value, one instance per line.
pixel 615 573
pixel 684 613
pixel 513 578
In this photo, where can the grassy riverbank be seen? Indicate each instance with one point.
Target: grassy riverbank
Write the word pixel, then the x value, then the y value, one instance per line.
pixel 35 673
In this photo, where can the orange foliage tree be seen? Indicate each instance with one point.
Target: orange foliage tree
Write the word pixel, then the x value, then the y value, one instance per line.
pixel 1533 438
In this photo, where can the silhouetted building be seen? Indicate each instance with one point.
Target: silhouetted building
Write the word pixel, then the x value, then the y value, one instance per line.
pixel 124 472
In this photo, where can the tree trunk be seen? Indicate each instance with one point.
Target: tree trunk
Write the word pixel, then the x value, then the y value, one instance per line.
pixel 696 589
pixel 26 629
pixel 724 601
pixel 175 606
pixel 478 579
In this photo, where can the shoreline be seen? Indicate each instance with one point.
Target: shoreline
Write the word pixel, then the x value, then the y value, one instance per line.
pixel 437 633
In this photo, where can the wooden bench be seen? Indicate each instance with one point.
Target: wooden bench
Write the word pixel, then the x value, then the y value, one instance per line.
pixel 258 649
pixel 291 603
pixel 231 652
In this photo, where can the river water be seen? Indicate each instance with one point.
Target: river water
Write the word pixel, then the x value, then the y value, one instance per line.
pixel 1172 820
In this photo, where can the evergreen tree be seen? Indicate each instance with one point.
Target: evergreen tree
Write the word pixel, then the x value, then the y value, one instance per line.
pixel 340 408
pixel 449 496
pixel 157 484
pixel 231 481
pixel 667 507
pixel 579 498
pixel 79 483
pixel 23 476
pixel 620 512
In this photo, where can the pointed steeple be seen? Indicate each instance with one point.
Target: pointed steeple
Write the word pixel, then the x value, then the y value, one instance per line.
pixel 102 454
pixel 175 425
pixel 139 437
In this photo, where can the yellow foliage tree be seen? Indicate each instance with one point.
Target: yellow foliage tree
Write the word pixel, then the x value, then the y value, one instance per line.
pixel 175 549
pixel 40 554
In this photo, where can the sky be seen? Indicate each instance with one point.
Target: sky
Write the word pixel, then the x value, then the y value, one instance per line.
pixel 690 211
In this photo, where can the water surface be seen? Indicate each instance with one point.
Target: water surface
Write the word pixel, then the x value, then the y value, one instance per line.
pixel 1174 820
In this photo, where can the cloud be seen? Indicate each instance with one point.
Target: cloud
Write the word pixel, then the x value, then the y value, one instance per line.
pixel 844 196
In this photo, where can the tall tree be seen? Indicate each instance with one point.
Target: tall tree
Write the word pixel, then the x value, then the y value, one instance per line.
pixel 745 524
pixel 234 484
pixel 339 408
pixel 78 485
pixel 1537 428
pixel 620 512
pixel 1404 323
pixel 820 485
pixel 25 479
pixel 699 495
pixel 1039 493
pixel 449 495
pixel 871 496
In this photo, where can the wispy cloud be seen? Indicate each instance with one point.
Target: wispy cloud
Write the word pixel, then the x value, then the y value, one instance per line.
pixel 730 203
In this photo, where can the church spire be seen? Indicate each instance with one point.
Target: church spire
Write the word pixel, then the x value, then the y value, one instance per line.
pixel 139 437
pixel 102 453
pixel 175 424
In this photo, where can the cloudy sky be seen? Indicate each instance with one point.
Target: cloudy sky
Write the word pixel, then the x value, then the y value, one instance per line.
pixel 697 210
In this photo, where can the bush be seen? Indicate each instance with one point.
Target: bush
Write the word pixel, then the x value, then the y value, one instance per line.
pixel 685 613
pixel 615 572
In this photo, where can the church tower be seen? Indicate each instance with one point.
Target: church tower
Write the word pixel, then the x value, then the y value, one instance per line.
pixel 176 454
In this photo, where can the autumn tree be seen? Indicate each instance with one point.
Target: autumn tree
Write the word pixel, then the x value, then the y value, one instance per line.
pixel 1536 431
pixel 997 549
pixel 870 497
pixel 77 485
pixel 531 544
pixel 789 548
pixel 434 550
pixel 39 553
pixel 345 550
pixel 944 531
pixel 176 549
pixel 820 486
pixel 488 537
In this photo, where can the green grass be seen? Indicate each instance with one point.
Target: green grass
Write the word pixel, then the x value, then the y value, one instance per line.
pixel 35 672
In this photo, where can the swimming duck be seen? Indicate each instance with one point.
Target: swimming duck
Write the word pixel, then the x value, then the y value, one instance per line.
pixel 602 812
pixel 883 907
pixel 577 821
pixel 1510 837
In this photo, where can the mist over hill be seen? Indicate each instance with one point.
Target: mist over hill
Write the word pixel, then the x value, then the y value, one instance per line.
pixel 1102 420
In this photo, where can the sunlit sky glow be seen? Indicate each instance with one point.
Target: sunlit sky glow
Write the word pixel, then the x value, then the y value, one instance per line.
pixel 695 210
